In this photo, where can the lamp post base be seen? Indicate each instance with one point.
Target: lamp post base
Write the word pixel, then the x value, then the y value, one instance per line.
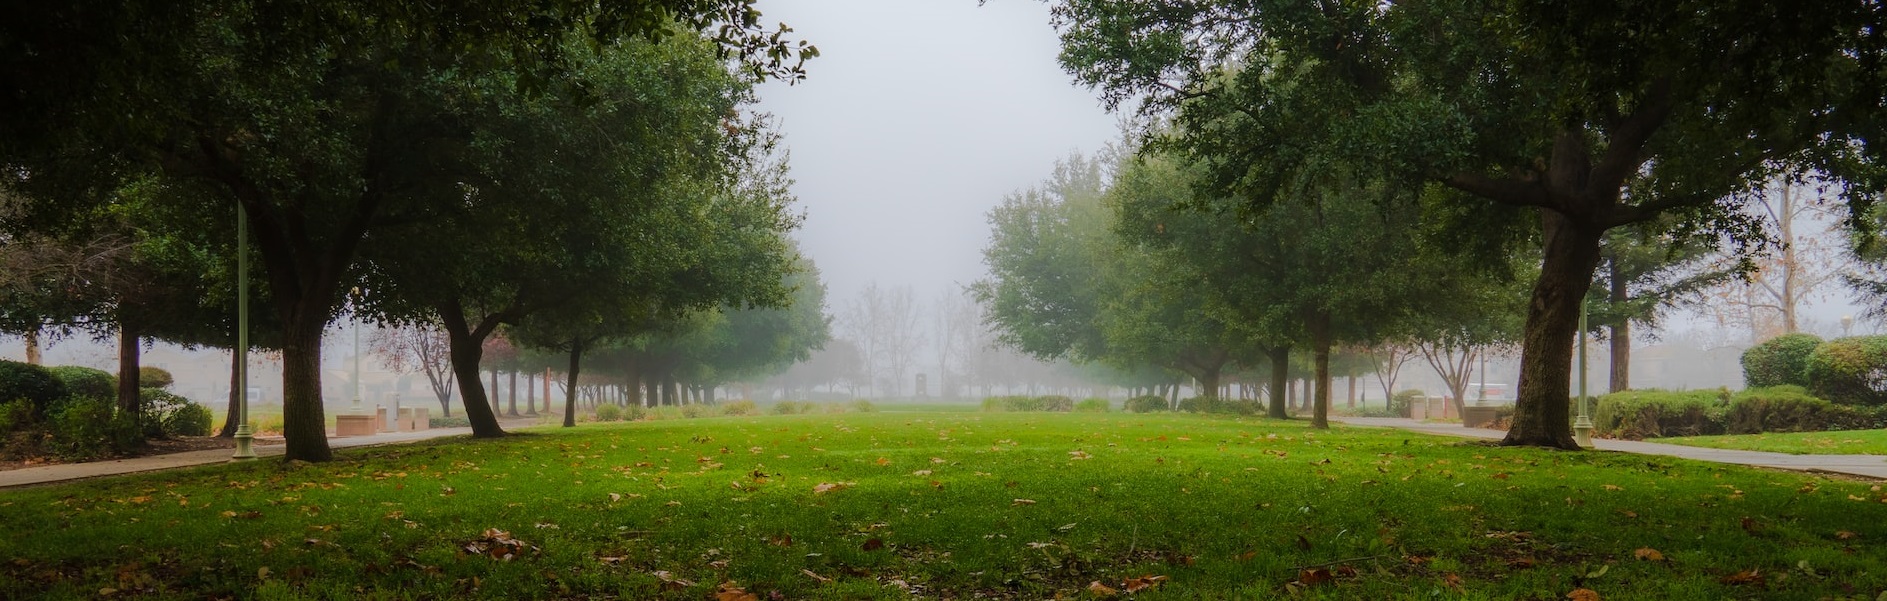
pixel 245 440
pixel 1582 431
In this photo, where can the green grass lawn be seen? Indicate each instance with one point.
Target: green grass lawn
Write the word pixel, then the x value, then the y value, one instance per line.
pixel 1849 442
pixel 954 506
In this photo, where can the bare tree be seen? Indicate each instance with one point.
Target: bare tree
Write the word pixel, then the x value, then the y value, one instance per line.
pixel 418 348
pixel 1390 358
pixel 1808 257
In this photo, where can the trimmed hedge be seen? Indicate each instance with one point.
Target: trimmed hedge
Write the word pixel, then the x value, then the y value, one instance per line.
pixel 1850 371
pixel 86 382
pixel 31 382
pixel 1793 409
pixel 1220 405
pixel 1058 403
pixel 189 420
pixel 1780 361
pixel 154 377
pixel 1146 404
pixel 609 412
pixel 1638 414
pixel 1094 405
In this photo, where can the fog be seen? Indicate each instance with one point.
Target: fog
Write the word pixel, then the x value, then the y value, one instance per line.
pixel 916 119
pixel 920 116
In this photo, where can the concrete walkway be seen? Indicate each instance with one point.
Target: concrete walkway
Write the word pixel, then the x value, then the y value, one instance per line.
pixel 80 471
pixel 1870 466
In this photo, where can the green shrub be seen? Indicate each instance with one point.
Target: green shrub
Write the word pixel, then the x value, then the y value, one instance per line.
pixel 609 412
pixel 740 407
pixel 633 412
pixel 864 406
pixel 1093 405
pixel 16 414
pixel 1850 371
pixel 157 405
pixel 1638 414
pixel 1145 404
pixel 89 428
pixel 154 377
pixel 34 383
pixel 1219 405
pixel 1018 403
pixel 792 408
pixel 698 410
pixel 189 420
pixel 86 381
pixel 1793 409
pixel 1401 402
pixel 1200 404
pixel 1779 361
pixel 664 412
pixel 456 421
pixel 1056 402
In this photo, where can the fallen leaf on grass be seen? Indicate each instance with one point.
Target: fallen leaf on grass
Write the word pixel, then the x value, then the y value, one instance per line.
pixel 1135 585
pixel 826 487
pixel 1648 554
pixel 1583 594
pixel 1613 487
pixel 883 461
pixel 728 591
pixel 921 473
pixel 1315 576
pixel 670 582
pixel 1452 580
pixel 1018 502
pixel 1102 590
pixel 1750 576
pixel 1845 535
pixel 498 545
pixel 1075 455
pixel 810 574
pixel 1303 543
pixel 872 544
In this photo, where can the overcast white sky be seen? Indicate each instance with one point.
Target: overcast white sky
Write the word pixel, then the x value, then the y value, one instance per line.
pixel 917 118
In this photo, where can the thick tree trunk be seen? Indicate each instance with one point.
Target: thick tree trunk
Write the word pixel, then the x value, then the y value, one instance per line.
pixel 632 377
pixel 670 395
pixel 466 349
pixel 707 395
pixel 1349 388
pixel 493 391
pixel 232 419
pixel 128 348
pixel 1621 358
pixel 1620 379
pixel 1280 368
pixel 653 388
pixel 512 392
pixel 304 422
pixel 530 393
pixel 570 389
pixel 1319 326
pixel 1541 417
pixel 32 347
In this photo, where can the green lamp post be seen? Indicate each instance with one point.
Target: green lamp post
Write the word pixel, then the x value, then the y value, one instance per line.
pixel 245 436
pixel 1582 427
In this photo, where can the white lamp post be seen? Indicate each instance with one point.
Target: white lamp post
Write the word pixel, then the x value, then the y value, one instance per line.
pixel 357 387
pixel 1847 321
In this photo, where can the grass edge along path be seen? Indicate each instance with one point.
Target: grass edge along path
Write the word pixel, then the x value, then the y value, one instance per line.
pixel 1838 442
pixel 955 505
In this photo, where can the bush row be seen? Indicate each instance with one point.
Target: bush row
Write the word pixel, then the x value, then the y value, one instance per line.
pixel 71 412
pixel 1051 402
pixel 612 412
pixel 1639 414
pixel 1221 406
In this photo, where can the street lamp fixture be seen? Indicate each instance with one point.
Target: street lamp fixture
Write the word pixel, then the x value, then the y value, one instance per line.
pixel 1847 321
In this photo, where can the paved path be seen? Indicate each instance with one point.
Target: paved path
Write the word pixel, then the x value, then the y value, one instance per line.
pixel 79 471
pixel 1871 466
